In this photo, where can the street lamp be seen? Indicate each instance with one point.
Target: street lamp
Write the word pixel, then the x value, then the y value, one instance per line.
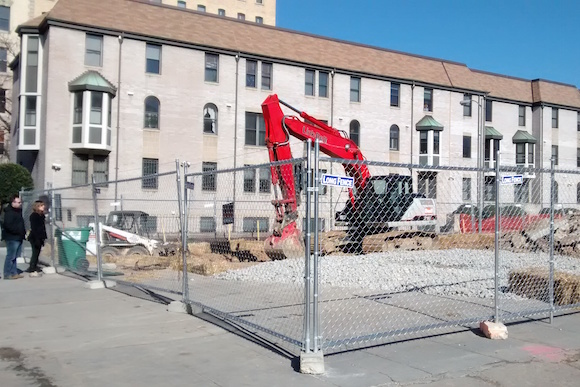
pixel 481 150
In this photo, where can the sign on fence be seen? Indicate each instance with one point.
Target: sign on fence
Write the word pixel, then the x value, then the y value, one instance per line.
pixel 515 179
pixel 337 181
pixel 228 213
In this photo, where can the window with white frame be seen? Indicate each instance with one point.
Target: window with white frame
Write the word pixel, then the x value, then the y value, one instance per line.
pixel 181 4
pixel 259 20
pixel 488 110
pixel 249 179
pixel 32 52
pixel 428 100
pixel 521 153
pixel 466 189
pixel 201 8
pixel 266 76
pixel 354 132
pixel 466 147
pixel 211 67
pixel 3 59
pixel 255 129
pixel 554 117
pixel 210 118
pixel 4 18
pixel 578 122
pixel 241 16
pixel 394 138
pixel 323 84
pixel 150 179
pixel 309 79
pixel 152 106
pixel 467 98
pixel 355 89
pixel 221 12
pixel 251 70
pixel 93 50
pixel 153 58
pixel 521 115
pixel 265 183
pixel 209 181
pixel 395 90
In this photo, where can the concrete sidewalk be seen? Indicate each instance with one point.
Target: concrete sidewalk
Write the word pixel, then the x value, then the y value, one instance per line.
pixel 55 332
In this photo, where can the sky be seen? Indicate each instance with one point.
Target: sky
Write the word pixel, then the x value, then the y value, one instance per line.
pixel 526 39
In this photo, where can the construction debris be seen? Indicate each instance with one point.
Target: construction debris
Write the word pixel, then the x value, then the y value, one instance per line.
pixel 534 283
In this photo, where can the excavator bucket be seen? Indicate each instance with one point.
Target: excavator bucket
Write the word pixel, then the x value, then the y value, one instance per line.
pixel 287 246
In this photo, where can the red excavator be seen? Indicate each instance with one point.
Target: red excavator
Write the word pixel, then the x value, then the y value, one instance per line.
pixel 376 203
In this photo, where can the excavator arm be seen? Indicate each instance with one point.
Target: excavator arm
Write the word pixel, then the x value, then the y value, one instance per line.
pixel 286 240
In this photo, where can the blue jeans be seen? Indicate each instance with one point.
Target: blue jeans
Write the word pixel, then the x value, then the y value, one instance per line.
pixel 13 251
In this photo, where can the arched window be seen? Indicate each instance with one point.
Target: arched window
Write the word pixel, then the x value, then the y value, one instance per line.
pixel 355 132
pixel 151 112
pixel 394 138
pixel 210 121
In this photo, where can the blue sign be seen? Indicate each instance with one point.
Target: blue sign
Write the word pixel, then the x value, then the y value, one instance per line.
pixel 516 179
pixel 337 181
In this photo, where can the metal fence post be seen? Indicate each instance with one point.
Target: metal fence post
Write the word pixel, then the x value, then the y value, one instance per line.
pixel 316 185
pixel 551 280
pixel 97 230
pixel 307 289
pixel 51 224
pixel 497 222
pixel 181 226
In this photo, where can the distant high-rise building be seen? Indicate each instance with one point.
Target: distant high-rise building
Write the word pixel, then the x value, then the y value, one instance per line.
pixel 259 11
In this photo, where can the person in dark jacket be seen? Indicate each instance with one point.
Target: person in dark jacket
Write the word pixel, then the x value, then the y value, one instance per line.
pixel 37 236
pixel 13 232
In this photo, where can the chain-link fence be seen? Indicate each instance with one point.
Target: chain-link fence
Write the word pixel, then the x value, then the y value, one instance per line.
pixel 330 254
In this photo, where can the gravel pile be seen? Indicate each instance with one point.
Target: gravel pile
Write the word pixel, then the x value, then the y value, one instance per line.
pixel 457 272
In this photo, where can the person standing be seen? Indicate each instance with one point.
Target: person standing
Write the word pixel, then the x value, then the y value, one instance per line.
pixel 13 233
pixel 37 236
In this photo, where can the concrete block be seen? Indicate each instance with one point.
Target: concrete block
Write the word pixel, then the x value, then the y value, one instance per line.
pixel 494 331
pixel 312 363
pixel 95 285
pixel 109 266
pixel 60 269
pixel 110 284
pixel 179 307
pixel 49 270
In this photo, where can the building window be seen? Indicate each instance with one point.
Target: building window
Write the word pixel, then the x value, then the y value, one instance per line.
pixel 259 20
pixel 222 12
pixel 210 118
pixel 150 169
pixel 354 89
pixel 5 18
pixel 96 116
pixel 241 16
pixel 466 189
pixel 207 224
pixel 93 50
pixel 489 188
pixel 395 88
pixel 354 132
pixel 2 106
pixel 394 138
pixel 423 149
pixel 522 192
pixel 3 59
pixel 32 65
pixel 251 68
pixel 531 154
pixel 211 67
pixel 265 180
pixel 255 224
pixel 427 184
pixel 436 136
pixel 555 154
pixel 30 111
pixel 578 157
pixel 201 8
pixel 554 117
pixel 208 181
pixel 181 4
pixel 153 58
pixel 258 1
pixel 578 122
pixel 80 169
pixel 309 78
pixel 101 168
pixel 556 196
pixel 323 86
pixel 249 179
pixel 428 100
pixel 522 115
pixel 255 129
pixel 266 76
pixel 467 147
pixel 488 110
pixel 578 193
pixel 151 112
pixel 467 106
pixel 521 153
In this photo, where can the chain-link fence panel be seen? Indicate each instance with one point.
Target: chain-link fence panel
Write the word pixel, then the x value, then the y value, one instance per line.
pixel 401 253
pixel 140 231
pixel 246 248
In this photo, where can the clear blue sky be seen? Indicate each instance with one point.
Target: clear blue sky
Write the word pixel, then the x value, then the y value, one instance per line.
pixel 528 39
